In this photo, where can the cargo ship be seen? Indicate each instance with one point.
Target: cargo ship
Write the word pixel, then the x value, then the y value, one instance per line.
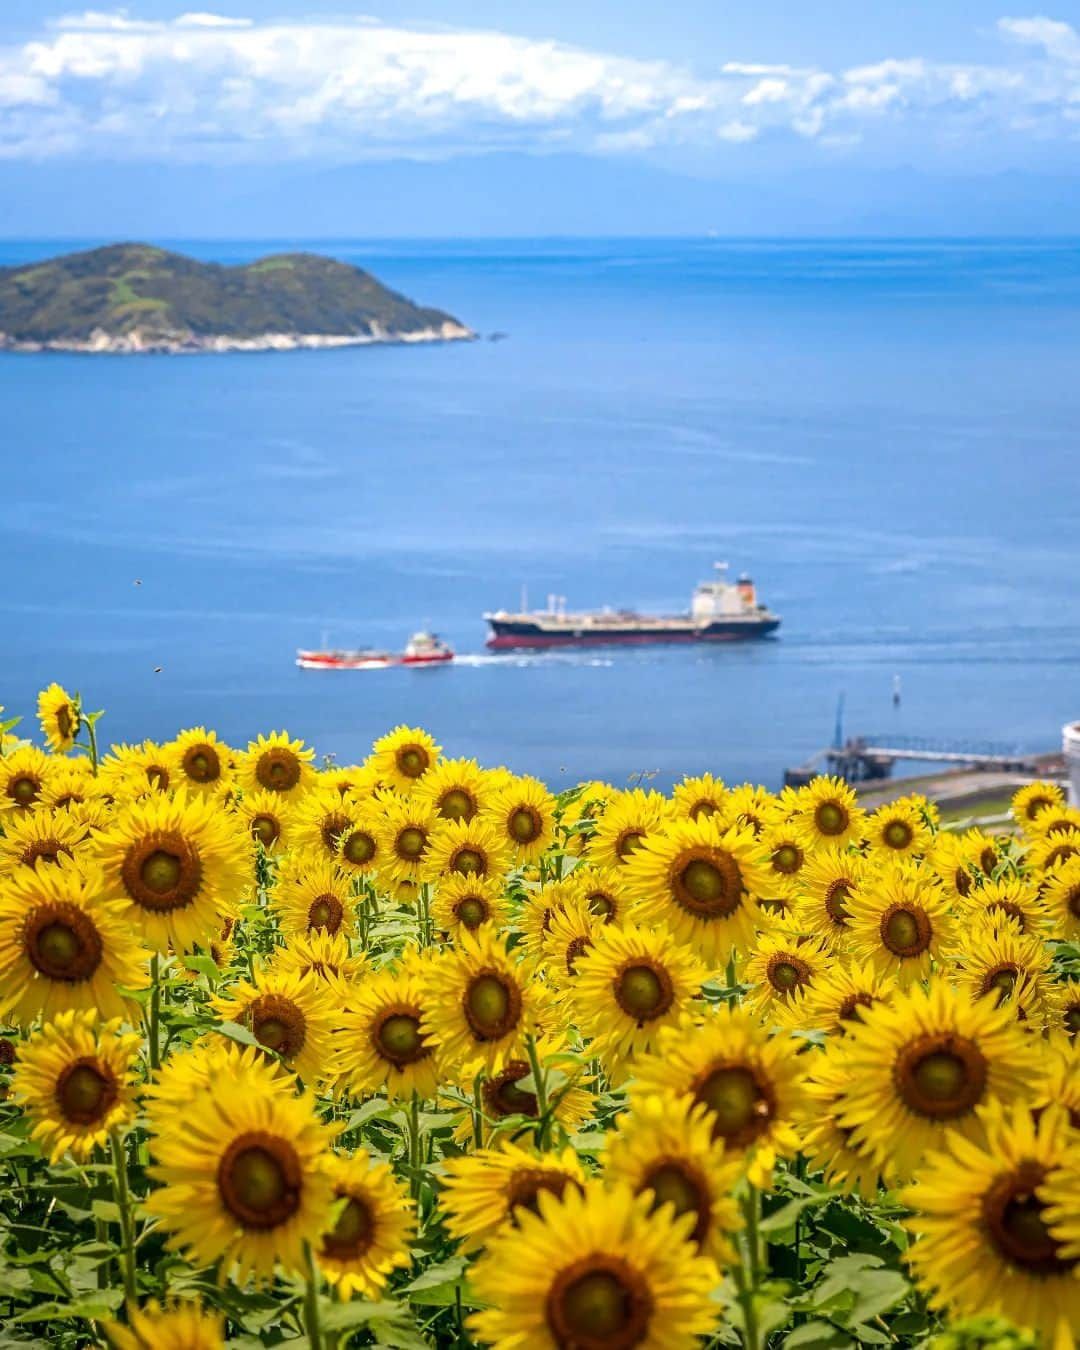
pixel 422 649
pixel 720 611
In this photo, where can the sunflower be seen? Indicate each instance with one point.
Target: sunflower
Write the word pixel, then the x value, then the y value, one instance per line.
pixel 1066 1012
pixel 1055 820
pixel 402 757
pixel 1059 1079
pixel 65 943
pixel 373 1230
pixel 752 807
pixel 242 1173
pixel 266 816
pixel 275 763
pixel 380 1039
pixel 509 1093
pixel 1010 902
pixel 1008 967
pixel 572 931
pixel 59 716
pixel 786 856
pixel 289 1015
pixel 702 796
pixel 701 883
pixel 71 784
pixel 956 865
pixel 751 1082
pixel 630 984
pixel 319 820
pixel 485 1189
pixel 201 1070
pixel 825 884
pixel 323 955
pixel 24 774
pixel 897 829
pixel 358 843
pixel 455 789
pixel 921 1064
pixel 523 813
pixel 665 1147
pixel 781 968
pixel 595 1270
pixel 1061 895
pixel 1029 800
pixel 628 820
pixel 349 780
pixel 467 902
pixel 182 863
pixel 201 762
pixel 829 1146
pixel 986 852
pixel 466 848
pixel 1047 851
pixel 404 835
pixel 538 908
pixel 900 920
pixel 604 891
pixel 314 894
pixel 182 1325
pixel 838 996
pixel 829 813
pixel 983 1231
pixel 135 770
pixel 40 837
pixel 75 1079
pixel 1061 1195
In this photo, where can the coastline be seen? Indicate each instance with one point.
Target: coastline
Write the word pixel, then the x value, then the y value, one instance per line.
pixel 100 343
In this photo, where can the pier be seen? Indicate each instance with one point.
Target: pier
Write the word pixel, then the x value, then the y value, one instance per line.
pixel 862 759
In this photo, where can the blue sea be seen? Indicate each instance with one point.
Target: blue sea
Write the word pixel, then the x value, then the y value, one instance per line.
pixel 885 435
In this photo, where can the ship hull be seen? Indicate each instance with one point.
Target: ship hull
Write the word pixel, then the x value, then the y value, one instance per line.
pixel 516 635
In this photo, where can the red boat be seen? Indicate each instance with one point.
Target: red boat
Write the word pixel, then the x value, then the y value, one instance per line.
pixel 422 649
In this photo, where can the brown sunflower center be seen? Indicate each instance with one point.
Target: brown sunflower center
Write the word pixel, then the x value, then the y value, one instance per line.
pixel 835 895
pixel 471 911
pixel 741 1104
pixel 65 722
pixel 787 859
pixel 831 818
pixel 7 1052
pixel 1059 854
pixel 897 834
pixel 1036 804
pixel 525 824
pixel 62 942
pixel 260 1180
pixel 629 841
pixel 86 1091
pixel 267 829
pixel 1001 979
pixel 412 760
pixel 24 788
pixel 940 1076
pixel 398 1039
pixel 602 905
pixel 1072 901
pixel 526 1185
pixel 326 911
pixel 43 850
pixel 469 862
pixel 201 763
pixel 643 990
pixel 703 808
pixel 353 1233
pixel 1012 1215
pixel 962 881
pixel 673 1181
pixel 1010 911
pixel 599 1303
pixel 359 847
pixel 988 859
pixel 707 883
pixel 905 930
pixel 503 1097
pixel 157 775
pixel 849 1007
pixel 410 843
pixel 492 1005
pixel 162 872
pixel 575 948
pixel 786 972
pixel 278 1023
pixel 457 804
pixel 278 769
pixel 333 826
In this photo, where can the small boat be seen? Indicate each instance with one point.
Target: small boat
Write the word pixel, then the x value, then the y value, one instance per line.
pixel 422 649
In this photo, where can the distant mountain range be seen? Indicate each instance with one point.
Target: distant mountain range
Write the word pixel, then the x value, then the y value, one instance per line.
pixel 136 298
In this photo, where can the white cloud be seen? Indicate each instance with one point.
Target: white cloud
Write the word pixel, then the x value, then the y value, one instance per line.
pixel 210 86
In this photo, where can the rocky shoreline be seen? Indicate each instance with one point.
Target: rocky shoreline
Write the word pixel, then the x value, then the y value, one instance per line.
pixel 138 343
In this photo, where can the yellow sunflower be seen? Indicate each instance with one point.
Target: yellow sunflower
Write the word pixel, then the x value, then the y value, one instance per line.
pixel 900 920
pixel 595 1269
pixel 921 1064
pixel 984 1241
pixel 829 813
pixel 1048 851
pixel 182 863
pixel 509 1094
pixel 482 1002
pixel 467 902
pixel 628 820
pixel 1029 800
pixel 484 1190
pixel 456 789
pixel 75 1079
pixel 319 819
pixel 753 807
pixel 71 784
pixel 630 984
pixel 751 1082
pixel 781 968
pixel 373 1230
pixel 955 862
pixel 1010 902
pixel 665 1147
pixel 1008 967
pixel 40 838
pixel 349 780
pixel 182 1325
pixel 605 893
pixel 1059 1077
pixel 381 1043
pixel 786 856
pixel 523 813
pixel 1061 1195
pixel 66 944
pixel 701 796
pixel 825 884
pixel 403 756
pixel 572 931
pixel 136 770
pixel 1066 1012
pixel 358 843
pixel 1061 895
pixel 201 762
pixel 466 848
pixel 266 816
pixel 838 996
pixel 58 714
pixel 1055 820
pixel 701 882
pixel 24 774
pixel 537 910
pixel 897 830
pixel 404 836
pixel 200 1070
pixel 289 1015
pixel 314 894
pixel 276 763
pixel 242 1175
pixel 323 955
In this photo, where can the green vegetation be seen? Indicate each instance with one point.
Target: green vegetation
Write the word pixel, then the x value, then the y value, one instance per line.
pixel 142 296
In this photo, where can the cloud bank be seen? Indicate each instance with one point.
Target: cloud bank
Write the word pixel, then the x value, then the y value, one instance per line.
pixel 210 88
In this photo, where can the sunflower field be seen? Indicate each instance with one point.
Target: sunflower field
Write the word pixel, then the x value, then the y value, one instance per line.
pixel 415 1053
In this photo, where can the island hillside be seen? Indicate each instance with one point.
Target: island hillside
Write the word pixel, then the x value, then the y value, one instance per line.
pixel 136 298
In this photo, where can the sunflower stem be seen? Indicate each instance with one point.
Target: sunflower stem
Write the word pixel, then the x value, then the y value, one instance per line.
pixel 539 1077
pixel 749 1271
pixel 155 1011
pixel 91 735
pixel 478 1112
pixel 123 1204
pixel 414 1147
pixel 311 1300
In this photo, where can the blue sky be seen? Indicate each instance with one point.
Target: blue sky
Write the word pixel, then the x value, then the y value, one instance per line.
pixel 961 116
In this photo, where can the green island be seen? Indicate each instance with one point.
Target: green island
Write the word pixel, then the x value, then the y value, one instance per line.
pixel 136 298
